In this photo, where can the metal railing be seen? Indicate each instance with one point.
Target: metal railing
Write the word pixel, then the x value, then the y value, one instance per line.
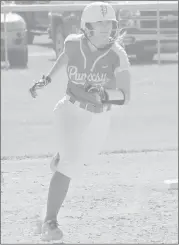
pixel 152 5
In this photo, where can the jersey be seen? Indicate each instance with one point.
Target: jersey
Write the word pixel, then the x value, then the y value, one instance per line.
pixel 95 68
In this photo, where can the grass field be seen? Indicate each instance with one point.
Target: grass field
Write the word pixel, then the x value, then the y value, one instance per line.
pixel 121 199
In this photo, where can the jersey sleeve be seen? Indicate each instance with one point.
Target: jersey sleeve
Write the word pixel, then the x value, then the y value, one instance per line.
pixel 122 63
pixel 70 44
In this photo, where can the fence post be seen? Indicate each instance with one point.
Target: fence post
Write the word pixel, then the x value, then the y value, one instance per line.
pixel 6 42
pixel 158 33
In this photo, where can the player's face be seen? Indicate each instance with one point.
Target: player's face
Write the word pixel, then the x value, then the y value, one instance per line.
pixel 101 32
pixel 102 28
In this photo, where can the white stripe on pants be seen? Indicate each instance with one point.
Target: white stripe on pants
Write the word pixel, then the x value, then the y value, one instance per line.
pixel 80 136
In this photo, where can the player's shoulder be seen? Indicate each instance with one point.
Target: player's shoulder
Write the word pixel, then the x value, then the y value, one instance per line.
pixel 118 49
pixel 71 44
pixel 121 56
pixel 73 38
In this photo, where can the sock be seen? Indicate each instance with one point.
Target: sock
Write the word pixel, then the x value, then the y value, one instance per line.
pixel 58 189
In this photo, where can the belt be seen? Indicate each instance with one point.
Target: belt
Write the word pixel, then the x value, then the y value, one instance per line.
pixel 88 106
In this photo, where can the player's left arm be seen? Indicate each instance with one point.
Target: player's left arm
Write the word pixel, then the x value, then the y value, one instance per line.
pixel 122 86
pixel 122 73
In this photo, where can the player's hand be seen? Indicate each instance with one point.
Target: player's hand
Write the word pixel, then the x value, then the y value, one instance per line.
pixel 39 85
pixel 98 92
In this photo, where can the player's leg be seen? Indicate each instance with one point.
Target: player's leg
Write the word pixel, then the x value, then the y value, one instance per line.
pixel 95 137
pixel 71 143
pixel 58 187
pixel 70 125
pixel 57 192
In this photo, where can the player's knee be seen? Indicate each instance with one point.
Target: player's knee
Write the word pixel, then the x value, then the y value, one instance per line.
pixel 63 176
pixel 71 169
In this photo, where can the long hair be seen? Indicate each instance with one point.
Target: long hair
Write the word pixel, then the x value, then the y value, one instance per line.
pixel 120 38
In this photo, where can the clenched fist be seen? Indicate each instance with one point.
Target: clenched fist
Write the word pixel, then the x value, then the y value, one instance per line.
pixel 38 85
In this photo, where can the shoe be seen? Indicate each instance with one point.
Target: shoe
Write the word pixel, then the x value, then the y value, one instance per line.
pixel 54 163
pixel 51 231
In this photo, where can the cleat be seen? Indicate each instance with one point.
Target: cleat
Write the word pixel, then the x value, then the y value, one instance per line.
pixel 54 163
pixel 51 231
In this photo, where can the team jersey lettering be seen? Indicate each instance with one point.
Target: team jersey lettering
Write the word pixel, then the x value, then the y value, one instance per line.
pixel 83 77
pixel 92 67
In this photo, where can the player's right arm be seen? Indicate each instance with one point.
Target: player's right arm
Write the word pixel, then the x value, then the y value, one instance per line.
pixel 46 79
pixel 61 60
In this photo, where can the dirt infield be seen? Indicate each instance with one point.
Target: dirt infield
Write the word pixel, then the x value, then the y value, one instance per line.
pixel 120 199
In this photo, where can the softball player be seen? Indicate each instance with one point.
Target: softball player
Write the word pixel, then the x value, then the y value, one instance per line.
pixel 98 77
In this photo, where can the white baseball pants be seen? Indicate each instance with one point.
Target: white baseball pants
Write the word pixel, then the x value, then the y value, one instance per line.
pixel 80 136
